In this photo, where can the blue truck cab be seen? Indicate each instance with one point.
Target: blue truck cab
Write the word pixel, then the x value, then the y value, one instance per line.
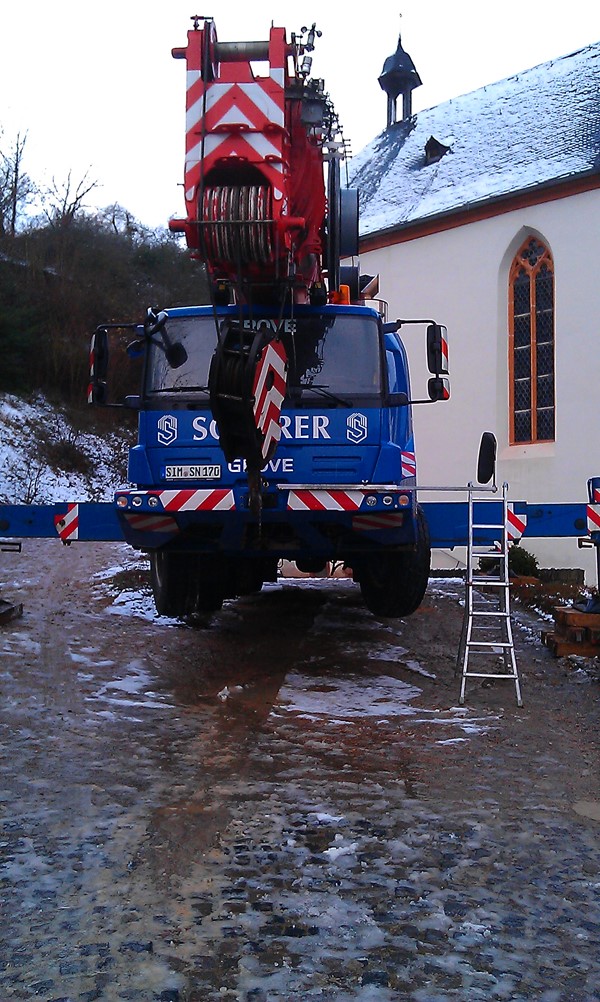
pixel 340 486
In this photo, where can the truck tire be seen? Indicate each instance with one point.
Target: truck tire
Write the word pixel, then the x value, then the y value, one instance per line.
pixel 169 582
pixel 248 577
pixel 209 584
pixel 182 585
pixel 393 584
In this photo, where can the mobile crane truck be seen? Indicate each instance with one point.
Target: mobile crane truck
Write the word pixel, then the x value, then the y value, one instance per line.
pixel 275 422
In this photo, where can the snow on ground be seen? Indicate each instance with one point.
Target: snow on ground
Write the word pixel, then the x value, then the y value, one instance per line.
pixel 345 698
pixel 329 696
pixel 44 458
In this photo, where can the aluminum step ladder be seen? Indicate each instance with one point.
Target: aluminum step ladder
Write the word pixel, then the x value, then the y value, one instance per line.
pixel 487 630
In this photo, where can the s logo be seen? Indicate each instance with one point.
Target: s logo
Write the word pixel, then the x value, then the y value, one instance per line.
pixel 167 429
pixel 356 428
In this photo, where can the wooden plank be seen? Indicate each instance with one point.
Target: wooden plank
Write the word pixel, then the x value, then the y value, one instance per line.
pixel 565 616
pixel 560 647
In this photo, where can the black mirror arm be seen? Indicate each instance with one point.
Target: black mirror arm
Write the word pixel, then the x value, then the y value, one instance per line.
pixel 175 353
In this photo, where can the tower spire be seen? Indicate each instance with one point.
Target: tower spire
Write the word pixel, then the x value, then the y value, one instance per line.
pixel 399 76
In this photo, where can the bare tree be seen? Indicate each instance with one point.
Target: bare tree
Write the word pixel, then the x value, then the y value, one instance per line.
pixel 122 222
pixel 64 201
pixel 16 187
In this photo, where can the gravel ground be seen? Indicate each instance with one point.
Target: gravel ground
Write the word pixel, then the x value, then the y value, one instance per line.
pixel 285 802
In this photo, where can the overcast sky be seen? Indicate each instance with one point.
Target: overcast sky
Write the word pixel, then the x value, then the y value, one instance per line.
pixel 96 89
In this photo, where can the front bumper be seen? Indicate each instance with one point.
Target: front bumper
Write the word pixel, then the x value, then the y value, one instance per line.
pixel 325 519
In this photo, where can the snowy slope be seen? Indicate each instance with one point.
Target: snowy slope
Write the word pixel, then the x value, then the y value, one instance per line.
pixel 43 458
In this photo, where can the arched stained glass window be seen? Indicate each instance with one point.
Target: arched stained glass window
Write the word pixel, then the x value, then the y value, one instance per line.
pixel 531 344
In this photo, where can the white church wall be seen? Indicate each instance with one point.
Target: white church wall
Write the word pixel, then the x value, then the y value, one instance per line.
pixel 460 277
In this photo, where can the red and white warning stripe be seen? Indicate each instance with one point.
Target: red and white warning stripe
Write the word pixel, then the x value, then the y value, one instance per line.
pixel 375 522
pixel 515 524
pixel 270 380
pixel 408 464
pixel 67 525
pixel 323 500
pixel 593 516
pixel 144 522
pixel 444 347
pixel 217 499
pixel 90 392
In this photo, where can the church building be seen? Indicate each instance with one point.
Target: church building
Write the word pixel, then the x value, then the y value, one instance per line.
pixel 483 213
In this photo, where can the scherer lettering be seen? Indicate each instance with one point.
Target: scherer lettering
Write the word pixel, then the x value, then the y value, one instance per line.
pixel 304 426
pixel 297 427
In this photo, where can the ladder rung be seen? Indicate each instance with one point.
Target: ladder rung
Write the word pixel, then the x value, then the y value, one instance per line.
pixel 489 643
pixel 481 611
pixel 489 674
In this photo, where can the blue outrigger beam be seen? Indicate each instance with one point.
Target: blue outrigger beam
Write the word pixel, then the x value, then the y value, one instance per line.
pixel 447 520
pixel 88 520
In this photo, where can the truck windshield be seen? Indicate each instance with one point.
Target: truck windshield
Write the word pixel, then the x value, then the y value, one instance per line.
pixel 332 357
pixel 197 336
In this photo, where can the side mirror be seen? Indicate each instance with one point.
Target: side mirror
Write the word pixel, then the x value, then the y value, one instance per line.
pixel 98 367
pixel 438 388
pixel 486 460
pixel 437 350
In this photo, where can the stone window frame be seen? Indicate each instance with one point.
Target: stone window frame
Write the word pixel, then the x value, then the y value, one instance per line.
pixel 531 349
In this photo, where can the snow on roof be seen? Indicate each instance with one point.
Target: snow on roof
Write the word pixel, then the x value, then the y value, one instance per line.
pixel 538 127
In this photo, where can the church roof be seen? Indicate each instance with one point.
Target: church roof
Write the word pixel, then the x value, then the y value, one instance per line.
pixel 537 128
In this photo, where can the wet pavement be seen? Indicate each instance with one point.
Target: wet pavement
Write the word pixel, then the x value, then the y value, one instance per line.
pixel 285 802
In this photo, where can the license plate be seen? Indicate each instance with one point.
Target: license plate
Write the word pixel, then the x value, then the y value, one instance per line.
pixel 192 472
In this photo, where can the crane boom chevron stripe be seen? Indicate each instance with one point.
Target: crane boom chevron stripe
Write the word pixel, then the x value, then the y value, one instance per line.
pixel 270 381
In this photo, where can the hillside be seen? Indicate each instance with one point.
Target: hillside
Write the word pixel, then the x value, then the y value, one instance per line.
pixel 48 454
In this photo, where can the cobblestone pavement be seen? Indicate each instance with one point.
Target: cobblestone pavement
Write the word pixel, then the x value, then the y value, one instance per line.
pixel 286 802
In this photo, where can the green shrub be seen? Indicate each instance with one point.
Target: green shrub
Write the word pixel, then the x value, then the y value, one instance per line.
pixel 522 562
